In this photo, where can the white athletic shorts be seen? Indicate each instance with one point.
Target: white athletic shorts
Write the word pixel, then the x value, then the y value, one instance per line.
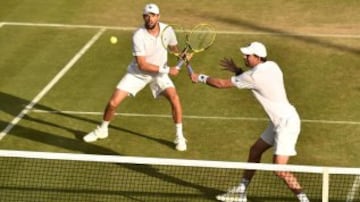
pixel 133 83
pixel 284 136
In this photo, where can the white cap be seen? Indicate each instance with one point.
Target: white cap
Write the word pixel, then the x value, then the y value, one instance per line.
pixel 151 8
pixel 255 48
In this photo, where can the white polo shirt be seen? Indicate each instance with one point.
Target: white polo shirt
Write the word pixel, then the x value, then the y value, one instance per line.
pixel 267 84
pixel 145 44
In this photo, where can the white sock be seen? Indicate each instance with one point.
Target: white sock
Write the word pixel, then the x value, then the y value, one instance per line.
pixel 105 124
pixel 179 130
pixel 302 197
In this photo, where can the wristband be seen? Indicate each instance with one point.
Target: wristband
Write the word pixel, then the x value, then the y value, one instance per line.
pixel 164 69
pixel 202 78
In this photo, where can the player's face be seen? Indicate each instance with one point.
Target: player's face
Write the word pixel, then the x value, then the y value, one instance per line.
pixel 151 20
pixel 251 60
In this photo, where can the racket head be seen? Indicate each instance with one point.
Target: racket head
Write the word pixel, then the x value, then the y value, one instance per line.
pixel 167 38
pixel 202 36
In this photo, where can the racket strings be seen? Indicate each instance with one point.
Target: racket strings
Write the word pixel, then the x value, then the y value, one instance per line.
pixel 201 37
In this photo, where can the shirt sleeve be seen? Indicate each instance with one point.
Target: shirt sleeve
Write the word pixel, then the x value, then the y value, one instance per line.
pixel 138 45
pixel 172 38
pixel 244 81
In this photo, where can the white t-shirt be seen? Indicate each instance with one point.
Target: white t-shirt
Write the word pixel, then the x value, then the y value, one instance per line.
pixel 145 44
pixel 267 84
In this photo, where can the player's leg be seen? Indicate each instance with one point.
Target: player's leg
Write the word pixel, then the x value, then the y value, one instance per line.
pixel 265 142
pixel 130 84
pixel 238 192
pixel 162 85
pixel 286 137
pixel 101 131
pixel 255 154
pixel 117 97
pixel 176 109
pixel 290 179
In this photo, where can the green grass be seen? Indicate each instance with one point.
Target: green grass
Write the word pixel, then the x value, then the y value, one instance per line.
pixel 321 75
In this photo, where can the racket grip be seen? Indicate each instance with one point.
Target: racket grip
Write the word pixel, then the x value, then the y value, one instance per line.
pixel 190 69
pixel 179 64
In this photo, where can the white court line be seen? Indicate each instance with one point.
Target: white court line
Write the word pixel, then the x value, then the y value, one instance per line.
pixel 218 31
pixel 69 26
pixel 194 117
pixel 48 87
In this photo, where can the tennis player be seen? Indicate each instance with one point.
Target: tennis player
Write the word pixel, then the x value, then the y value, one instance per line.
pixel 265 80
pixel 149 66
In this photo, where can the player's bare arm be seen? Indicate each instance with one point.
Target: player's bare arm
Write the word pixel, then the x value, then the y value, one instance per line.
pixel 147 67
pixel 213 82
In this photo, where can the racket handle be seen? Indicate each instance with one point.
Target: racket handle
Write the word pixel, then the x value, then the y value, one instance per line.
pixel 179 64
pixel 190 69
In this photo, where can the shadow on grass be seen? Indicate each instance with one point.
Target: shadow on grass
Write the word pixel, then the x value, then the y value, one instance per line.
pixel 13 105
pixel 284 33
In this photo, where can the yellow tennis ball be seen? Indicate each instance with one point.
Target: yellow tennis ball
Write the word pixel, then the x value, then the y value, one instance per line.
pixel 113 39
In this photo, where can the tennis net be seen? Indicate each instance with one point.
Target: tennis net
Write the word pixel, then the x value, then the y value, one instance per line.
pixel 46 176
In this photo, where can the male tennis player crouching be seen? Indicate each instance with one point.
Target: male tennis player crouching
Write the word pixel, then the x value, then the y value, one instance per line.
pixel 265 80
pixel 149 66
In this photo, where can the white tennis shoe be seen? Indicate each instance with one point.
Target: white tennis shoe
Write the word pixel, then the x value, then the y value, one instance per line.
pixel 235 194
pixel 98 133
pixel 180 143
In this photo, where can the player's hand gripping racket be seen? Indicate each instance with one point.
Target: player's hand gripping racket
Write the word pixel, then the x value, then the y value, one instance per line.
pixel 201 37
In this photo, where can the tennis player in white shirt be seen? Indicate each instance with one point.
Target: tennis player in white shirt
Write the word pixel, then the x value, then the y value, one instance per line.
pixel 265 80
pixel 149 66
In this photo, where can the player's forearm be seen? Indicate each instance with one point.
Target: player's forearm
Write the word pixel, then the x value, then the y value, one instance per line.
pixel 147 67
pixel 218 83
pixel 214 82
pixel 144 66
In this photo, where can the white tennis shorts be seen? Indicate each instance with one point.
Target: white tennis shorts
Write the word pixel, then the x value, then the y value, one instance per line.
pixel 133 83
pixel 284 136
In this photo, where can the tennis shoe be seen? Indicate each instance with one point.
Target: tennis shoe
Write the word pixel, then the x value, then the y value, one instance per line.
pixel 180 143
pixel 98 133
pixel 235 194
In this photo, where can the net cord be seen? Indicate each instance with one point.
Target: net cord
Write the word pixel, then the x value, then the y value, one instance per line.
pixel 177 162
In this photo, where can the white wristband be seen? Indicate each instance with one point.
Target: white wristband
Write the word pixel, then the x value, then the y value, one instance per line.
pixel 164 69
pixel 202 78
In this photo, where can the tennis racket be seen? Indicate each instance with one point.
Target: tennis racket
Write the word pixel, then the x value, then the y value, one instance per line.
pixel 173 38
pixel 201 37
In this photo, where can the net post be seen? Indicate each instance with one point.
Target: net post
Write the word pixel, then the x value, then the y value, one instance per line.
pixel 325 185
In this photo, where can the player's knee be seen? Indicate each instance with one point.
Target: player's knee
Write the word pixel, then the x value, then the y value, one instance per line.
pixel 174 98
pixel 113 104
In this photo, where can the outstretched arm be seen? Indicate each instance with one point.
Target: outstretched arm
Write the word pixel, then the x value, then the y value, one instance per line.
pixel 213 82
